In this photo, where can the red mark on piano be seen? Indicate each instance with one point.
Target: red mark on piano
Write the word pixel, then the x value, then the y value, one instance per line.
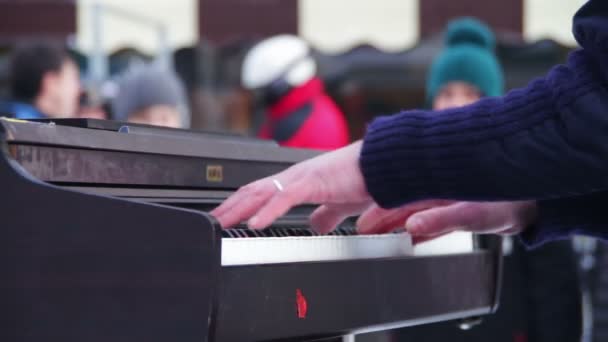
pixel 301 304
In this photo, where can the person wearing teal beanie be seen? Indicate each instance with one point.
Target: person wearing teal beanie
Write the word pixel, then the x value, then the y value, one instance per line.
pixel 465 71
pixel 467 68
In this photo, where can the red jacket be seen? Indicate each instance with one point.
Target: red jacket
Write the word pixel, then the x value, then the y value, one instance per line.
pixel 306 118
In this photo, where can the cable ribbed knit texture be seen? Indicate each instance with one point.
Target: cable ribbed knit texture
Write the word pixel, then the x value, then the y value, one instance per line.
pixel 546 141
pixel 498 148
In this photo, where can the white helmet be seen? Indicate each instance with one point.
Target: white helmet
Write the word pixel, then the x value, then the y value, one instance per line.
pixel 281 58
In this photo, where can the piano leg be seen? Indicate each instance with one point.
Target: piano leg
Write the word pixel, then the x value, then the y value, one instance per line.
pixel 345 338
pixel 348 338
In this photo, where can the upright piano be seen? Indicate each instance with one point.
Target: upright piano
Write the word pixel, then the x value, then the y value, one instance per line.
pixel 105 236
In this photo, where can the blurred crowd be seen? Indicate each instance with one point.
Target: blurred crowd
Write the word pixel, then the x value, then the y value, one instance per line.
pixel 44 81
pixel 363 81
pixel 282 89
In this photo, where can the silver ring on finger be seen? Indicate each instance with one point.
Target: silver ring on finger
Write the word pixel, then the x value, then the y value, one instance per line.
pixel 278 185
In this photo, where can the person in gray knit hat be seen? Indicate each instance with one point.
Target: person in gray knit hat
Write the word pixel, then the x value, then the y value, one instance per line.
pixel 153 95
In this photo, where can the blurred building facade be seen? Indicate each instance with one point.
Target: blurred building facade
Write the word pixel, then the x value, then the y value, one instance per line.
pixel 373 55
pixel 331 26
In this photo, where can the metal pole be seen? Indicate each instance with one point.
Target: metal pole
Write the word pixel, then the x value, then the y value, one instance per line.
pixel 348 338
pixel 164 51
pixel 98 59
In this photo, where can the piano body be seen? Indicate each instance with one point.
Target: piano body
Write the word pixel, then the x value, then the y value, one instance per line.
pixel 105 236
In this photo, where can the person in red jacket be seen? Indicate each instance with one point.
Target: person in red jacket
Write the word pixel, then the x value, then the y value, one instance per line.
pixel 298 112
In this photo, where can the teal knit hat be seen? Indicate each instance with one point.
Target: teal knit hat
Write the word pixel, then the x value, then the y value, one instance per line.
pixel 468 57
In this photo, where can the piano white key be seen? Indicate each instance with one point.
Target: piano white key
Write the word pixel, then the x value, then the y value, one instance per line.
pixel 457 242
pixel 270 250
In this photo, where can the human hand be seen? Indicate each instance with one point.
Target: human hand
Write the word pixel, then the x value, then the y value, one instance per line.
pixel 431 219
pixel 333 180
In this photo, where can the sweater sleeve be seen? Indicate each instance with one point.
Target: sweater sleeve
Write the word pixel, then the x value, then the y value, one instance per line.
pixel 546 141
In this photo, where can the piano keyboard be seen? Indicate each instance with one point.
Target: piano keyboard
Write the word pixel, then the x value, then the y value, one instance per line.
pixel 454 243
pixel 272 250
pixel 288 245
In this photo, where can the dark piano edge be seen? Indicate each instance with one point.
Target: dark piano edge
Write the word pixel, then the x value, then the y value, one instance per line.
pixel 65 166
pixel 212 196
pixel 493 243
pixel 457 315
pixel 474 275
pixel 452 316
pixel 17 178
pixel 172 143
pixel 111 125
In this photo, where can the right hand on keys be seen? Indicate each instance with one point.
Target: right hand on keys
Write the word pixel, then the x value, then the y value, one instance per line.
pixel 431 219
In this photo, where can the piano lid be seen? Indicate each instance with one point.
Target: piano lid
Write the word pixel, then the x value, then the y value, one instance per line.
pixel 153 140
pixel 144 157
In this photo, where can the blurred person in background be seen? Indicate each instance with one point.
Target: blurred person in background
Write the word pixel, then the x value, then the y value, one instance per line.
pixel 89 109
pixel 153 95
pixel 540 298
pixel 298 113
pixel 44 82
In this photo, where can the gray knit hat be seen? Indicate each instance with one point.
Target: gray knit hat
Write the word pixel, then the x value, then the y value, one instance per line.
pixel 148 85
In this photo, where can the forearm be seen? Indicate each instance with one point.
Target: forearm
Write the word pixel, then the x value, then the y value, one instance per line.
pixel 544 141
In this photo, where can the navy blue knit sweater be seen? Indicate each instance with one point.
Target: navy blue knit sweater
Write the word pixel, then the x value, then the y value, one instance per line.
pixel 548 141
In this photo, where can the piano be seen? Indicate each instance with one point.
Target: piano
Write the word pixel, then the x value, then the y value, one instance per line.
pixel 105 236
